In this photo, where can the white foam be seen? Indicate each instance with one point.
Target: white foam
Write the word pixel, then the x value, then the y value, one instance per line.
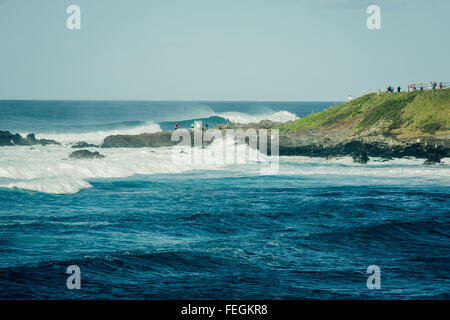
pixel 96 137
pixel 396 171
pixel 239 117
pixel 48 169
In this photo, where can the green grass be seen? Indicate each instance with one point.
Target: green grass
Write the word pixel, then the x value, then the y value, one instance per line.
pixel 428 114
pixel 403 114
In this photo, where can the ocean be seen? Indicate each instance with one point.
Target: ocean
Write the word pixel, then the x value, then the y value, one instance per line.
pixel 140 226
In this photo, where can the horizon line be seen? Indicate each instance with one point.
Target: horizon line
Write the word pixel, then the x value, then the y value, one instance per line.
pixel 167 100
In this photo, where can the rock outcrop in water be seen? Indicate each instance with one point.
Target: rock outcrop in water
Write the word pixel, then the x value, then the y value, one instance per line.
pixel 86 154
pixel 83 144
pixel 154 140
pixel 9 139
pixel 157 139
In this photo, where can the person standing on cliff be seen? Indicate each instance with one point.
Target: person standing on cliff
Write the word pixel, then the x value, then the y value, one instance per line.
pixel 399 89
pixel 349 99
pixel 421 86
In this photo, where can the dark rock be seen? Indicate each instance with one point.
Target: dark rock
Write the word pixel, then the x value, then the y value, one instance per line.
pixel 83 144
pixel 9 139
pixel 44 142
pixel 433 158
pixel 360 157
pixel 430 162
pixel 86 154
pixel 158 139
pixel 154 140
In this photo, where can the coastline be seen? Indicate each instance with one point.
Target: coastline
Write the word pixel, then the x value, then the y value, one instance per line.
pixel 387 126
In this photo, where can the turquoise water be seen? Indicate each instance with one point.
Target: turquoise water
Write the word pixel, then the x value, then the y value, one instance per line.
pixel 140 227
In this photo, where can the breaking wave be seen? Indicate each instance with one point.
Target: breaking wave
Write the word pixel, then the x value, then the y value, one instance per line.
pixel 239 117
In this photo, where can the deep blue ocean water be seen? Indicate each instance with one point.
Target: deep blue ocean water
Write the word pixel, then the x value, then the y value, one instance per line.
pixel 310 231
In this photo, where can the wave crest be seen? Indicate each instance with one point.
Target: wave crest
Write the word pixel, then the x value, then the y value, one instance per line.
pixel 239 117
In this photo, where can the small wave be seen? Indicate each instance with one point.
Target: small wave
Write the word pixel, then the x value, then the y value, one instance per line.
pixel 55 185
pixel 387 232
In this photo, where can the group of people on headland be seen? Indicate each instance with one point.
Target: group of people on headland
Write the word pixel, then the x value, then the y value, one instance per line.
pixel 433 86
pixel 413 87
pixel 390 90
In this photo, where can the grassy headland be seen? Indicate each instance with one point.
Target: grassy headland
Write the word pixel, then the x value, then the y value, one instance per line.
pixel 404 114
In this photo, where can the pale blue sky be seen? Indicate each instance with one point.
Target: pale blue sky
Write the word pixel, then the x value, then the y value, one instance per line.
pixel 219 49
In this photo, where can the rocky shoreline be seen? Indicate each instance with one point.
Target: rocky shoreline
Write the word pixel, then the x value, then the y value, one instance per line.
pixel 361 146
pixel 310 143
pixel 316 143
